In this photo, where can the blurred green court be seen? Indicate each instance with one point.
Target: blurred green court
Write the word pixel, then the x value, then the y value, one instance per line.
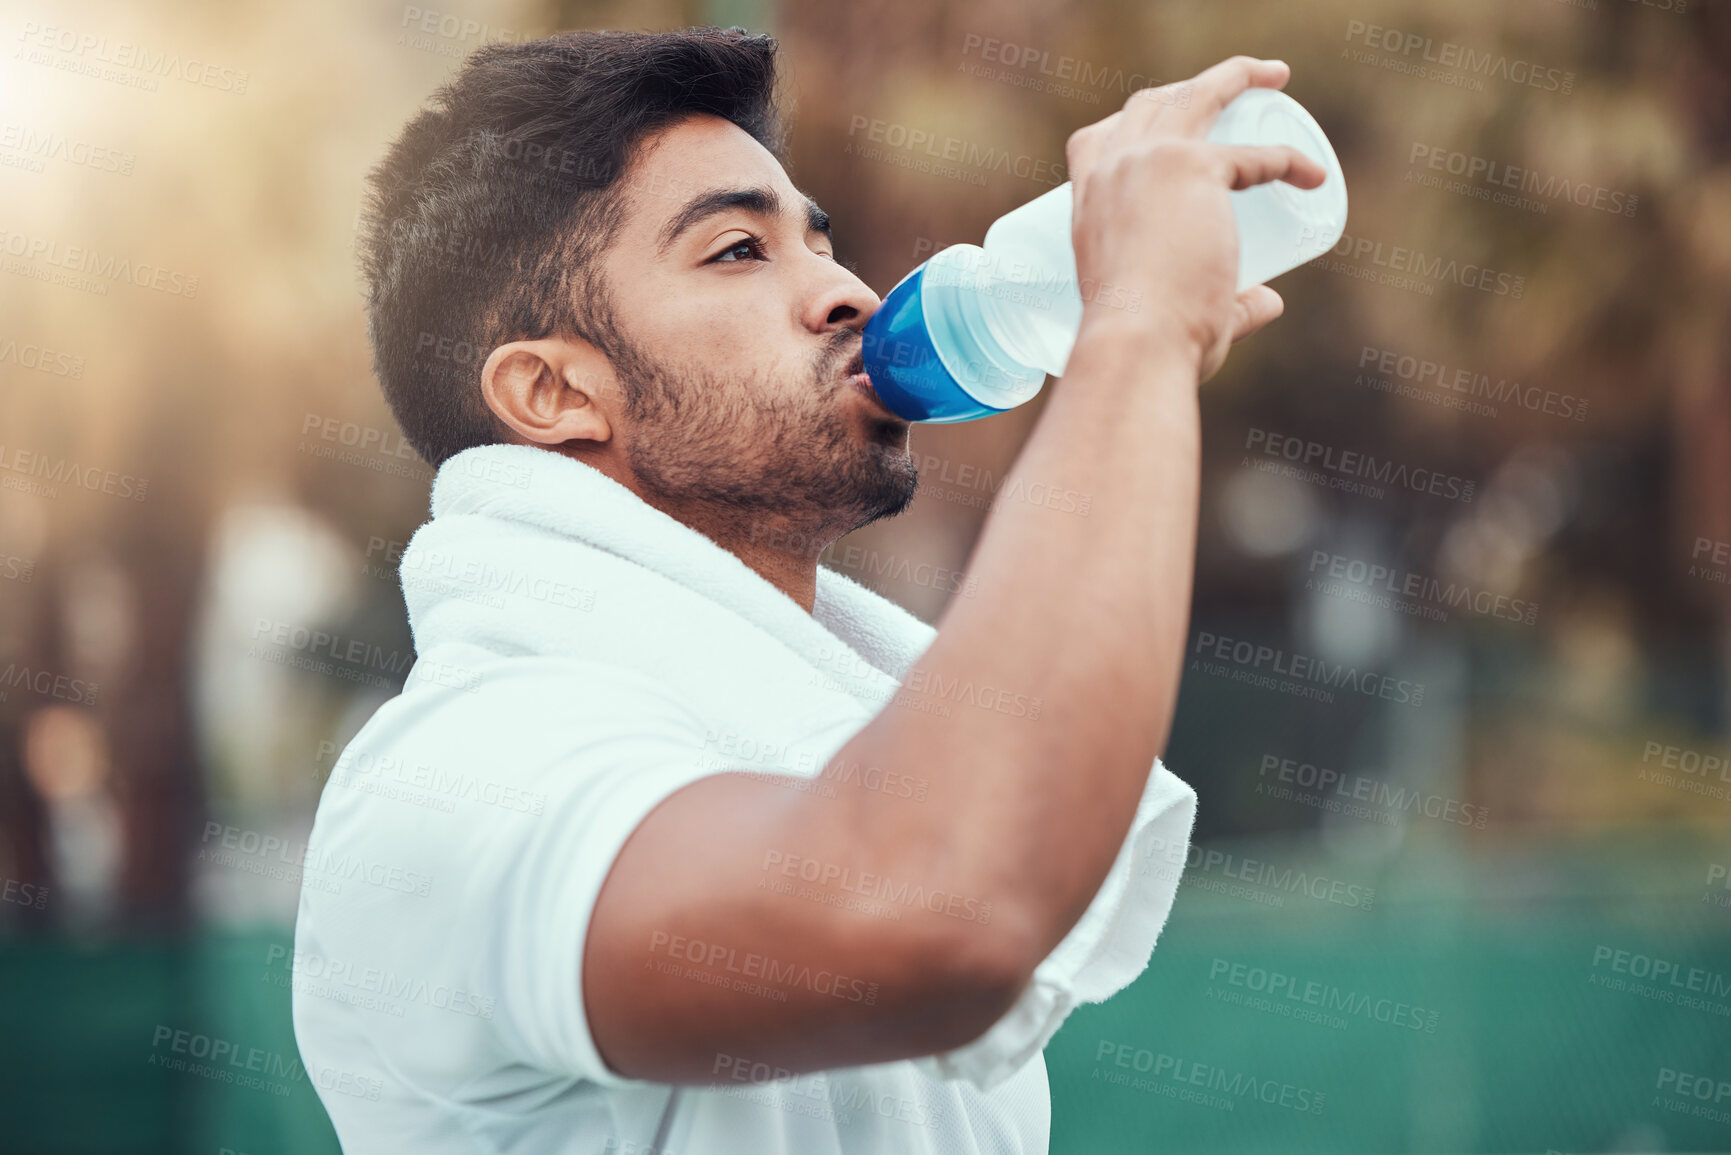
pixel 1270 1020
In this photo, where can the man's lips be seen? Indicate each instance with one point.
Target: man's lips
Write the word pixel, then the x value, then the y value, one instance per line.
pixel 855 373
pixel 863 383
pixel 861 380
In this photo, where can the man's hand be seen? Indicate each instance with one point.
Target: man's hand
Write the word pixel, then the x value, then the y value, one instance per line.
pixel 1152 211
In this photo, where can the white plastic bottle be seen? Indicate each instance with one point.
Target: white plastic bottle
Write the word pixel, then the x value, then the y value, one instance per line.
pixel 974 331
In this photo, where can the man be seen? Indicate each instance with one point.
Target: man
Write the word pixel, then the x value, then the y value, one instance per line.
pixel 676 842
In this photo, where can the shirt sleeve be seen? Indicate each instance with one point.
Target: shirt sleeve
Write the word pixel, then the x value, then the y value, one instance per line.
pixel 1104 952
pixel 619 746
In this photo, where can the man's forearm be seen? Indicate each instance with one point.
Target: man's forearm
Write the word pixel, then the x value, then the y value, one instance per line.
pixel 1087 614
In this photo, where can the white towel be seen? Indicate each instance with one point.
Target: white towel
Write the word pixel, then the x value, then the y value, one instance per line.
pixel 516 511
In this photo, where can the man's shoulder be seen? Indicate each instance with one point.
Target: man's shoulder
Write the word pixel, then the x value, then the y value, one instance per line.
pixel 470 708
pixel 594 688
pixel 451 782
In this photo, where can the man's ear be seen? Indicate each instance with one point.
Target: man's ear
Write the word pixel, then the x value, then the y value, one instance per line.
pixel 552 390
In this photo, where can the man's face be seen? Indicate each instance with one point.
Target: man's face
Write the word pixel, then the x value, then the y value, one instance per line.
pixel 744 336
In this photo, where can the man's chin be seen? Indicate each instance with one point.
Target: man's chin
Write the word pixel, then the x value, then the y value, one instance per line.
pixel 895 480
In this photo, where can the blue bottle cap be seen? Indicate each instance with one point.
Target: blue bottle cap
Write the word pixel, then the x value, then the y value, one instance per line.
pixel 904 366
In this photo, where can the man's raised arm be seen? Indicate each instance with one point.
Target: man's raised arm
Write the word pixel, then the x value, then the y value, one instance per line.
pixel 1086 613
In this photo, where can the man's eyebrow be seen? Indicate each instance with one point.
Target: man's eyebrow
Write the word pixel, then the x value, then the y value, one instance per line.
pixel 816 220
pixel 763 202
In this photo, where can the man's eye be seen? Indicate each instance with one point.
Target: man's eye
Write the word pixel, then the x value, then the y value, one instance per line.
pixel 751 246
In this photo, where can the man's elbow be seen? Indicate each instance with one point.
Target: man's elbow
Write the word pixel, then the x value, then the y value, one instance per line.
pixel 971 975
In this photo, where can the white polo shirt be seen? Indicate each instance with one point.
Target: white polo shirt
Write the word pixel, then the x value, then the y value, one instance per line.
pixel 581 657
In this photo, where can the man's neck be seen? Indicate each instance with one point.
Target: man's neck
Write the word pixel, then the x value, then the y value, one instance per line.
pixel 783 556
pixel 783 552
pixel 781 549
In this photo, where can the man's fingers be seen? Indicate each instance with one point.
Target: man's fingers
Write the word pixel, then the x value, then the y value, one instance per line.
pixel 1145 105
pixel 1247 165
pixel 1085 144
pixel 1192 106
pixel 1255 307
pixel 1213 89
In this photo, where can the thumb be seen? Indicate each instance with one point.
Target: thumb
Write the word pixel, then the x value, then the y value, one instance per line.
pixel 1254 308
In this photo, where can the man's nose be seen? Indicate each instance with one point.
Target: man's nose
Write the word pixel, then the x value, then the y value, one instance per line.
pixel 842 301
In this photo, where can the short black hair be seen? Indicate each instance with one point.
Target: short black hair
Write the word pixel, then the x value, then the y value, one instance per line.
pixel 483 221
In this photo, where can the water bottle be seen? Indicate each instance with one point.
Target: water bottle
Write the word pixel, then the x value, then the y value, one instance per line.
pixel 973 331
